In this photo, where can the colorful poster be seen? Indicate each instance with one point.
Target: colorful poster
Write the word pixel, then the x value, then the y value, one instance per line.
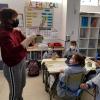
pixel 39 18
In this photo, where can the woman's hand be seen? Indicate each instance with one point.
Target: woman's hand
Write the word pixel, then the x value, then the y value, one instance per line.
pixel 25 43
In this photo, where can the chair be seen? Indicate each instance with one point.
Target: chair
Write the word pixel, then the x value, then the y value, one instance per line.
pixel 88 94
pixel 73 82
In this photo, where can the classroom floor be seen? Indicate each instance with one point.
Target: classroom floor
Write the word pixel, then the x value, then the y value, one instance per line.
pixel 34 89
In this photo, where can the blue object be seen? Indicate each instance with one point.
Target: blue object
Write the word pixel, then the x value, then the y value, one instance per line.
pixel 97 56
pixel 50 14
pixel 84 22
pixel 50 17
pixel 44 14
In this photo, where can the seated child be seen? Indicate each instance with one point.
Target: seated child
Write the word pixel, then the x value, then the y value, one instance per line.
pixel 73 49
pixel 97 66
pixel 76 65
pixel 50 53
pixel 94 82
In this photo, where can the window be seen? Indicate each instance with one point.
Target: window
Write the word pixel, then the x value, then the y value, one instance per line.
pixel 90 2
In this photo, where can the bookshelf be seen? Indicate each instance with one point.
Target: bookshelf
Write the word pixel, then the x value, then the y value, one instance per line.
pixel 89 34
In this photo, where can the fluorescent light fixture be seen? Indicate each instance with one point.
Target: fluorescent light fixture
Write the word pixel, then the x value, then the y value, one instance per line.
pixel 53 1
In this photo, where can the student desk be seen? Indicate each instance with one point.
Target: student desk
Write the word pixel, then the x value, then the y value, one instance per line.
pixel 50 66
pixel 53 67
pixel 36 52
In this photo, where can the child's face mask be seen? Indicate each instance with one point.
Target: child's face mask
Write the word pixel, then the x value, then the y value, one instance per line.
pixel 71 61
pixel 72 47
pixel 50 51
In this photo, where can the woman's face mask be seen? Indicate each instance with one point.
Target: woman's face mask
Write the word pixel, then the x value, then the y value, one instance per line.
pixel 15 23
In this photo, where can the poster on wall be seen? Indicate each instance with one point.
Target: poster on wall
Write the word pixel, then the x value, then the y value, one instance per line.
pixel 39 16
pixel 3 6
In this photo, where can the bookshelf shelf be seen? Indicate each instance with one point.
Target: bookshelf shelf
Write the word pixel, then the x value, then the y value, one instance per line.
pixel 91 52
pixel 89 34
pixel 83 51
pixel 83 43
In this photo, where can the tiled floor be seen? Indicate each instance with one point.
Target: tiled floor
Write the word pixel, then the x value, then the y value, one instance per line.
pixel 34 89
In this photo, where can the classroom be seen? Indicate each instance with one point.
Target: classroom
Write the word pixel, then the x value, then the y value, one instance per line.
pixel 50 49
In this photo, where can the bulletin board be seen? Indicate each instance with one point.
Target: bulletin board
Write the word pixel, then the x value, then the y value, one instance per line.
pixel 39 18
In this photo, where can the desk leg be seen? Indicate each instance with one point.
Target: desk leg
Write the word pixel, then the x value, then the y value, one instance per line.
pixel 44 72
pixel 43 75
pixel 46 81
pixel 53 91
pixel 30 55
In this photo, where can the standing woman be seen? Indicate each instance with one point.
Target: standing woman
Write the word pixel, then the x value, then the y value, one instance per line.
pixel 13 51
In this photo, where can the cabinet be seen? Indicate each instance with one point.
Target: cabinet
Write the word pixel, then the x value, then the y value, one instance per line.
pixel 89 34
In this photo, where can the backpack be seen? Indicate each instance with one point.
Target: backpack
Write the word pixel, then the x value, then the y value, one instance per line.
pixel 33 68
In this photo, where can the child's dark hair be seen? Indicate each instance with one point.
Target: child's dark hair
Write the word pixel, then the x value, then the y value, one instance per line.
pixel 73 43
pixel 7 13
pixel 80 59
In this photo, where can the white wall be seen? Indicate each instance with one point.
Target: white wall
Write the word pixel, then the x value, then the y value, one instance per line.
pixel 57 18
pixel 72 26
pixel 70 19
pixel 18 5
pixel 90 9
pixel 63 20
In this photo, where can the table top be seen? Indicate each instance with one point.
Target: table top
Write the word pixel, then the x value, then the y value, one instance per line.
pixel 33 48
pixel 49 60
pixel 55 66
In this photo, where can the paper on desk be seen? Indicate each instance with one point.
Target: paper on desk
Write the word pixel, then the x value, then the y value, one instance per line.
pixel 55 63
pixel 51 60
pixel 57 68
pixel 88 68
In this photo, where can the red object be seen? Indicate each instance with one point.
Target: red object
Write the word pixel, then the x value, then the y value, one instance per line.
pixel 12 51
pixel 55 44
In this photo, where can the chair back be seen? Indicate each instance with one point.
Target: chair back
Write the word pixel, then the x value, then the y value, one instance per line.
pixel 74 80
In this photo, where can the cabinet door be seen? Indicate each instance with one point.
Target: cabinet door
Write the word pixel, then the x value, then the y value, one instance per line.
pixel 84 32
pixel 92 43
pixel 94 32
pixel 94 22
pixel 83 43
pixel 83 51
pixel 92 52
